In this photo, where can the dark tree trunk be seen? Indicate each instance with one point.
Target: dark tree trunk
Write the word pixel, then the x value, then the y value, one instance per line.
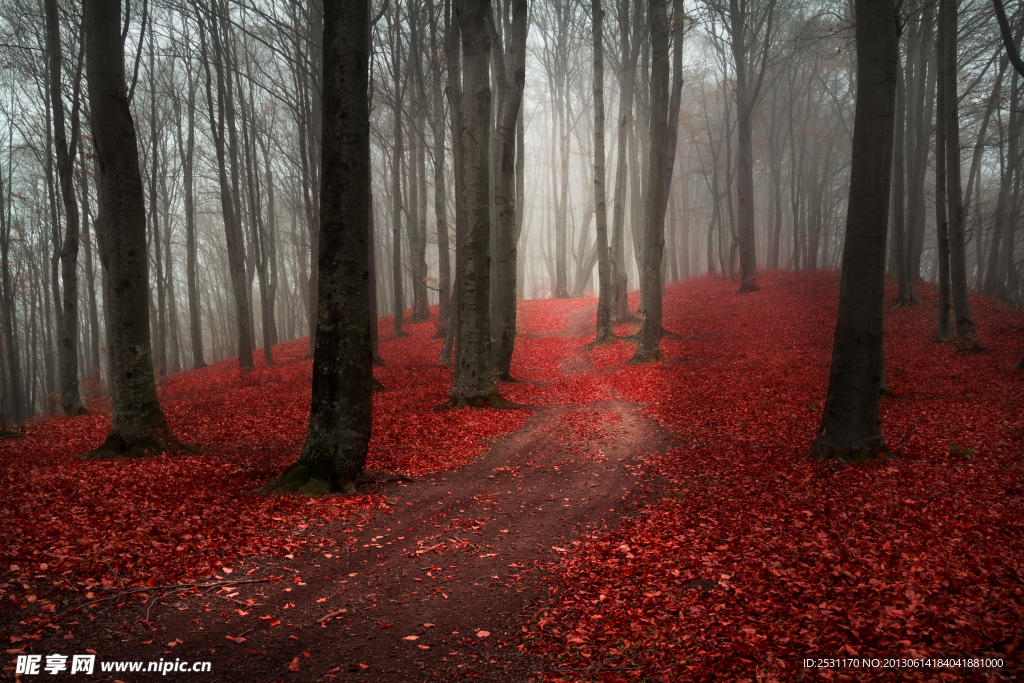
pixel 649 346
pixel 68 308
pixel 510 72
pixel 186 149
pixel 627 79
pixel 444 275
pixel 943 332
pixel 90 278
pixel 229 205
pixel 604 332
pixel 340 419
pixel 396 186
pixel 851 426
pixel 19 407
pixel 138 427
pixel 473 383
pixel 965 331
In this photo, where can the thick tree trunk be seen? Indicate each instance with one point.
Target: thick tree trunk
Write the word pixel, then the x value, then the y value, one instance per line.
pixel 649 346
pixel 473 383
pixel 340 421
pixel 851 426
pixel 138 426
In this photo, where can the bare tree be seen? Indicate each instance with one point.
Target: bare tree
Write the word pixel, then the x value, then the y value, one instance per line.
pixel 851 426
pixel 604 332
pixel 138 427
pixel 66 151
pixel 340 419
pixel 473 383
pixel 510 78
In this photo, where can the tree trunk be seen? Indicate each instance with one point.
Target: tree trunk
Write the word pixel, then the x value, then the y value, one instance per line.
pixel 627 79
pixel 186 149
pixel 944 333
pixel 444 268
pixel 510 77
pixel 851 425
pixel 396 188
pixel 229 206
pixel 965 331
pixel 473 383
pixel 68 310
pixel 649 347
pixel 340 421
pixel 138 427
pixel 10 320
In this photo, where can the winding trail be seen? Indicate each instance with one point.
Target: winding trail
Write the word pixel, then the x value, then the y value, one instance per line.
pixel 439 588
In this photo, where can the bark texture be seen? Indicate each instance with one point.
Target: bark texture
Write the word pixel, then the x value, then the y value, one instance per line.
pixel 473 383
pixel 341 412
pixel 138 427
pixel 649 347
pixel 510 71
pixel 851 426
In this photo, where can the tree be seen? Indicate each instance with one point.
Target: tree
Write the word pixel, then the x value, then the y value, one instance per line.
pixel 649 347
pixel 954 190
pixel 473 383
pixel 138 427
pixel 340 419
pixel 851 426
pixel 510 78
pixel 604 332
pixel 1004 31
pixel 750 31
pixel 66 152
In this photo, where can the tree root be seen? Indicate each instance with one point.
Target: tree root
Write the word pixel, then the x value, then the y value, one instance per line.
pixel 643 357
pixel 489 400
pixel 115 446
pixel 607 339
pixel 863 453
pixel 303 478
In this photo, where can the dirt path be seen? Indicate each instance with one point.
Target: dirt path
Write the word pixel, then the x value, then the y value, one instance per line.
pixel 438 589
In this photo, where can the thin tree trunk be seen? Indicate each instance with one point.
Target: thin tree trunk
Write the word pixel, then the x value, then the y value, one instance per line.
pixel 66 151
pixel 965 330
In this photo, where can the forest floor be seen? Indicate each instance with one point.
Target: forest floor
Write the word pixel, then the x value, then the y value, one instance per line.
pixel 649 523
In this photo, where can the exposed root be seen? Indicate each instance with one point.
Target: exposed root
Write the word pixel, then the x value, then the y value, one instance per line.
pixel 643 357
pixel 489 400
pixel 115 446
pixel 825 451
pixel 607 339
pixel 303 478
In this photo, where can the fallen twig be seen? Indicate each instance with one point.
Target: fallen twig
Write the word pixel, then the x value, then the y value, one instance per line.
pixel 336 613
pixel 186 586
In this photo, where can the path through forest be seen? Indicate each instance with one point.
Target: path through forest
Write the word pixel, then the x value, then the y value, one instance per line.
pixel 435 589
